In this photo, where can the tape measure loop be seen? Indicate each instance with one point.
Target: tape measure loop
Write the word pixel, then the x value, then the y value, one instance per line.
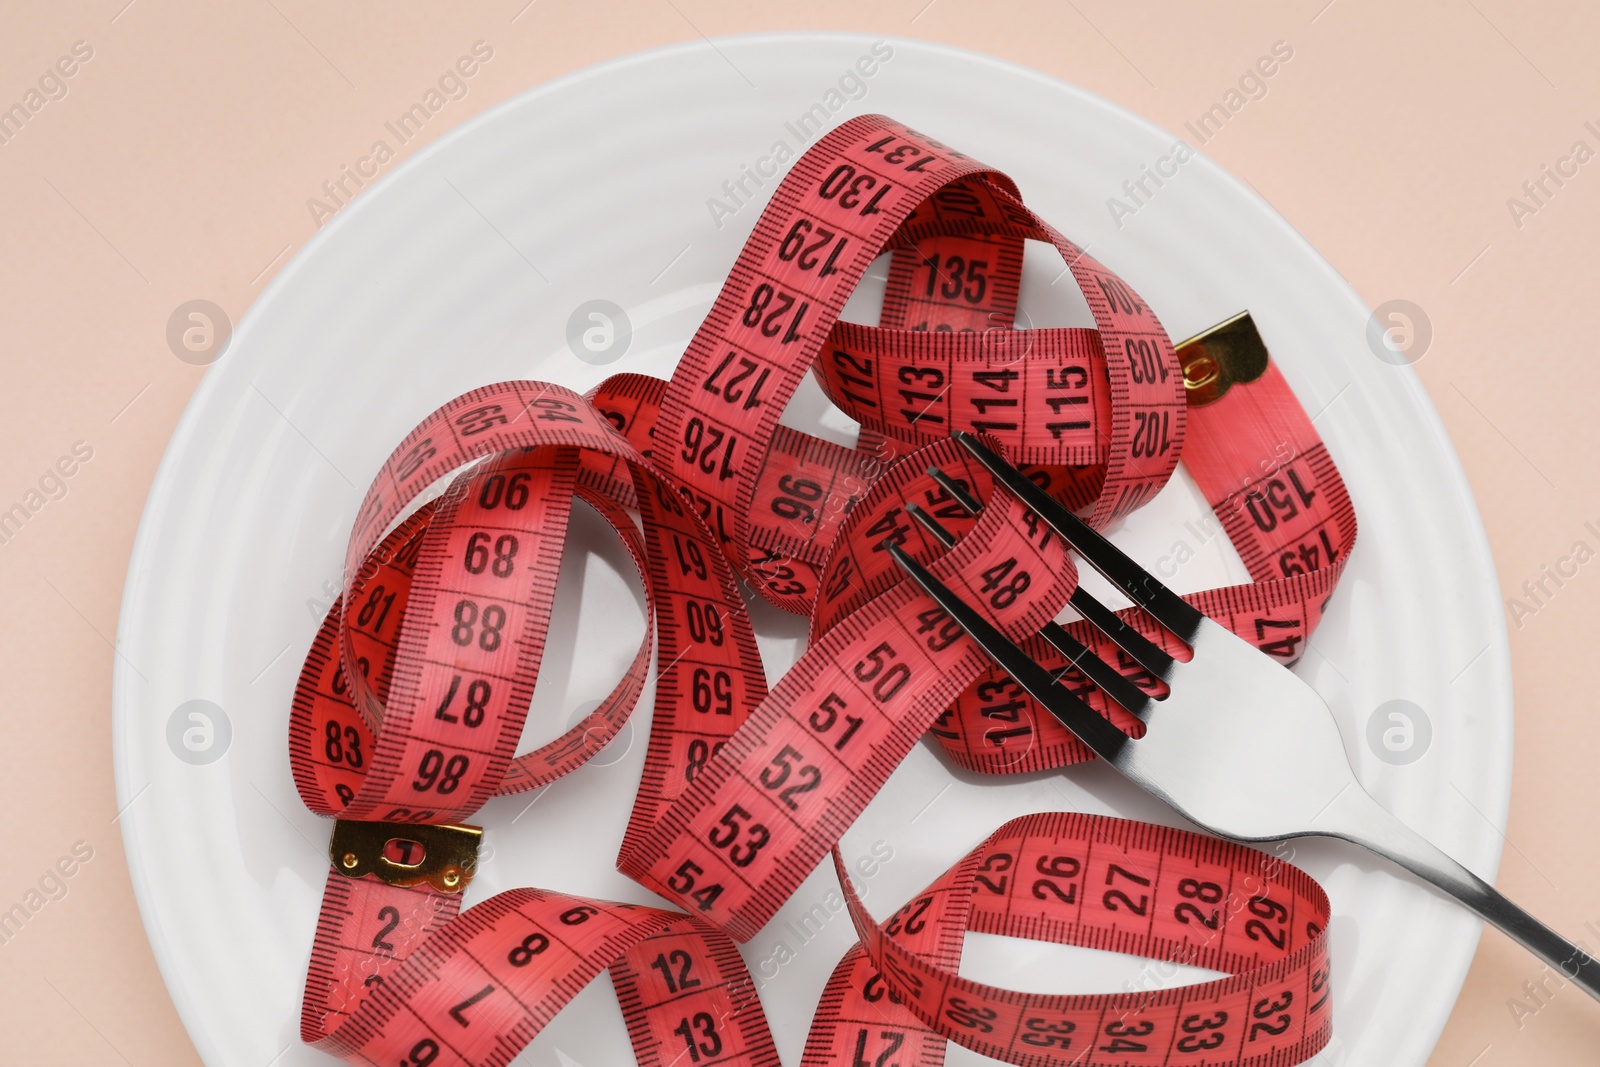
pixel 1091 881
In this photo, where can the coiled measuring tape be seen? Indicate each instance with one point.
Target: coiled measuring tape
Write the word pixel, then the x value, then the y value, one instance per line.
pixel 413 696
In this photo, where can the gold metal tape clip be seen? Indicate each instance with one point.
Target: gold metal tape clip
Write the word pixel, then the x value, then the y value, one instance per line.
pixel 1229 353
pixel 406 854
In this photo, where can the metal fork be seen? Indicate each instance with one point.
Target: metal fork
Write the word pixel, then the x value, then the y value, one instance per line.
pixel 1239 745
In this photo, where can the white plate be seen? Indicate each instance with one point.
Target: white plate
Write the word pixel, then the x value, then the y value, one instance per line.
pixel 463 266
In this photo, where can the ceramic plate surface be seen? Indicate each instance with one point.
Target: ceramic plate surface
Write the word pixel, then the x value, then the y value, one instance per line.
pixel 464 267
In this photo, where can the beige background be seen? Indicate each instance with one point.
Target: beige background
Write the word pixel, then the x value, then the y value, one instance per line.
pixel 179 163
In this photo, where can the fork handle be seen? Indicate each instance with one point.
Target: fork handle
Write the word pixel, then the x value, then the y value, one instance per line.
pixel 1356 817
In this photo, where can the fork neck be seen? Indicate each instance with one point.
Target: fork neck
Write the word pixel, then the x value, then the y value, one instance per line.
pixel 1355 816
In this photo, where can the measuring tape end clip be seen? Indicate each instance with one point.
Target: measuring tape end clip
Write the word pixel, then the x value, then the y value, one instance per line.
pixel 406 854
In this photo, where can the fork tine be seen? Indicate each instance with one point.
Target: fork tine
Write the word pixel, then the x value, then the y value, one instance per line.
pixel 1092 728
pixel 1110 681
pixel 932 525
pixel 957 491
pixel 1140 585
pixel 1144 651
